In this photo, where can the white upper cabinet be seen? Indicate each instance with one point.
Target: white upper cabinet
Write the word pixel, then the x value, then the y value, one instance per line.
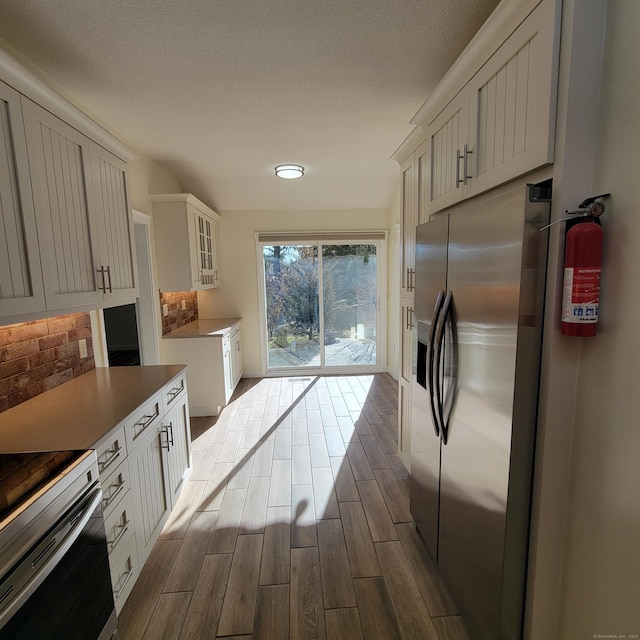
pixel 501 122
pixel 83 215
pixel 408 227
pixel 512 102
pixel 115 225
pixel 186 241
pixel 66 226
pixel 21 289
pixel 414 202
pixel 450 151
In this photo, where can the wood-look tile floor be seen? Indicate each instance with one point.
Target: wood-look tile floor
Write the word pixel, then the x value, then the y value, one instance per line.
pixel 294 524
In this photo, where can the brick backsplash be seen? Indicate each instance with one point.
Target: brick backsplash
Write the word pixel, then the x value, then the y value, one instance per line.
pixel 42 354
pixel 178 316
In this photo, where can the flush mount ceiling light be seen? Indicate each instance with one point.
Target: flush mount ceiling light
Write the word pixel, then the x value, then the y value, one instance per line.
pixel 289 171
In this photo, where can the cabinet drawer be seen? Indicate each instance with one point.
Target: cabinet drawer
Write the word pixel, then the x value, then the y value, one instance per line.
pixel 111 451
pixel 119 525
pixel 173 391
pixel 124 573
pixel 142 420
pixel 114 486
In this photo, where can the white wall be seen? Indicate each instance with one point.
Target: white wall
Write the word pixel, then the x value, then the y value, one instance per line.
pixel 238 294
pixel 147 177
pixel 601 574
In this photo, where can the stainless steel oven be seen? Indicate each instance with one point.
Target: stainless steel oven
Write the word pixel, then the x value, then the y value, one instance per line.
pixel 54 570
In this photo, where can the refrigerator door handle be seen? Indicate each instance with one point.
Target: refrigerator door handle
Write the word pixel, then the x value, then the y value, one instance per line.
pixel 446 312
pixel 431 378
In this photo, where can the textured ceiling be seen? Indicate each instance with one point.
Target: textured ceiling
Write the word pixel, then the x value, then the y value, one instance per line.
pixel 220 91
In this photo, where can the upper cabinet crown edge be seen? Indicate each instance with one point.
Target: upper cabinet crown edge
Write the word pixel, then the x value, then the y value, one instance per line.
pixel 502 22
pixel 24 80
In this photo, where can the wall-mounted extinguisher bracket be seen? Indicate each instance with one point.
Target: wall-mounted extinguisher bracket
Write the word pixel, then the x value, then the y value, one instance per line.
pixel 582 267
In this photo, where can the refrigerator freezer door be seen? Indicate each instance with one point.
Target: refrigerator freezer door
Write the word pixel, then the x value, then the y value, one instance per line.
pixel 431 270
pixel 487 253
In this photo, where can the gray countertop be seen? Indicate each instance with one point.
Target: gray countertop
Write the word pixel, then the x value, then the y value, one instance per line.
pixel 77 414
pixel 205 328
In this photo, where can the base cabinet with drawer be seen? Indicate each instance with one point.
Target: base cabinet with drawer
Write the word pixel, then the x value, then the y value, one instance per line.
pixel 212 351
pixel 144 463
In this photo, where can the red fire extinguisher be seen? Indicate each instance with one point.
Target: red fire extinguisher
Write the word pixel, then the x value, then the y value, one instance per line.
pixel 582 265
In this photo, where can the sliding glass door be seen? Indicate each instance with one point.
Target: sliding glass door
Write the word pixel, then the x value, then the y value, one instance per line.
pixel 321 305
pixel 291 274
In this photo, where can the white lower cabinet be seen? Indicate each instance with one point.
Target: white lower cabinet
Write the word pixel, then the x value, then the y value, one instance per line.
pixel 176 425
pixel 144 463
pixel 124 572
pixel 407 339
pixel 151 501
pixel 214 362
pixel 123 553
pixel 237 366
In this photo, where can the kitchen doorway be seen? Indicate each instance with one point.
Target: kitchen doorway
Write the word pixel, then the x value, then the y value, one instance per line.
pixel 322 305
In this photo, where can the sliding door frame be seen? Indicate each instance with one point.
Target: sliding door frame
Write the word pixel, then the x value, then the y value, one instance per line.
pixel 379 238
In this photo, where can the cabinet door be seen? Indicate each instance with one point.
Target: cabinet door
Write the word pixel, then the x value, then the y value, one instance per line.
pixel 227 363
pixel 404 422
pixel 237 364
pixel 21 288
pixel 59 158
pixel 115 219
pixel 408 227
pixel 513 96
pixel 404 381
pixel 215 257
pixel 450 154
pixel 422 162
pixel 176 423
pixel 150 491
pixel 406 338
pixel 206 274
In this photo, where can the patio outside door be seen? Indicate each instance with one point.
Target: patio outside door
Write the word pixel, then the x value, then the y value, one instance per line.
pixel 321 306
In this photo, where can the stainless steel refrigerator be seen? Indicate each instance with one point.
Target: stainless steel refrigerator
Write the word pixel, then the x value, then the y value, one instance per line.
pixel 480 273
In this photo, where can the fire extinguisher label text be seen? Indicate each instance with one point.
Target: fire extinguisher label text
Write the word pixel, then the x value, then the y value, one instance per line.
pixel 581 294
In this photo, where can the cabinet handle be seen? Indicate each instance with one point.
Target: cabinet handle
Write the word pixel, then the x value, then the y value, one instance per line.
pixel 110 459
pixel 103 288
pixel 174 393
pixel 166 446
pixel 464 156
pixel 466 160
pixel 116 594
pixel 123 529
pixel 147 422
pixel 171 431
pixel 120 488
pixel 108 270
pixel 409 318
pixel 411 273
pixel 458 158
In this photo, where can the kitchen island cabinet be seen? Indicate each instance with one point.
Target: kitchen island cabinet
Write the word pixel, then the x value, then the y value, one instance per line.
pixel 212 349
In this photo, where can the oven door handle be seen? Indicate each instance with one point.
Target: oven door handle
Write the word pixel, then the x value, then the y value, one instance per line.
pixel 29 573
